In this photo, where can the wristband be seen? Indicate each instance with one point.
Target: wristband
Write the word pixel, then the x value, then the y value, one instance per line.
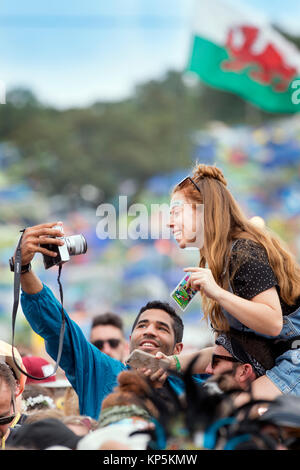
pixel 26 268
pixel 178 366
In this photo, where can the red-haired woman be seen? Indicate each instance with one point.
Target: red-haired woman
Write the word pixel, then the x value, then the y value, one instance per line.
pixel 247 279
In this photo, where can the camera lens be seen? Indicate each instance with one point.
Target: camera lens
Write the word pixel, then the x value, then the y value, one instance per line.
pixel 76 244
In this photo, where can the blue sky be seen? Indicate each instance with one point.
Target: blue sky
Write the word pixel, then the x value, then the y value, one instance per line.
pixel 73 52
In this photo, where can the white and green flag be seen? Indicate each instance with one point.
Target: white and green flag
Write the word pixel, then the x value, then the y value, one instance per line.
pixel 235 49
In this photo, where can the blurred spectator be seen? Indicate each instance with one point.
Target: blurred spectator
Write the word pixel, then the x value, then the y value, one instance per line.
pixel 13 382
pixel 36 397
pixel 130 400
pixel 8 411
pixel 108 336
pixel 43 434
pixel 245 355
pixel 68 402
pixel 40 367
pixel 80 425
pixel 284 414
pixel 117 437
pixel 39 415
pixel 127 410
pixel 53 386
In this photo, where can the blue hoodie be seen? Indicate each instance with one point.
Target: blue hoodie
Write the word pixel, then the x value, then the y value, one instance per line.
pixel 92 374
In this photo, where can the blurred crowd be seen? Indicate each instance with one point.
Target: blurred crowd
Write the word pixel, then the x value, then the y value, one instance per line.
pixel 122 275
pixel 263 164
pixel 41 410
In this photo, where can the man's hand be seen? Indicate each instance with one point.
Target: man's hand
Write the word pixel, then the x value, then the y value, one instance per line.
pixel 34 237
pixel 159 377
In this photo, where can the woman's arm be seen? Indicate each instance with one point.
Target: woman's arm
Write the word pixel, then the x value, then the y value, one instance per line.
pixel 199 367
pixel 262 313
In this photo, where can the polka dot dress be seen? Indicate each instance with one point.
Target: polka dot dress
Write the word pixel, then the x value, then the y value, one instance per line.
pixel 253 273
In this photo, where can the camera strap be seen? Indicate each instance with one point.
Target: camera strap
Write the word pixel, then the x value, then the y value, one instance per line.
pixel 17 283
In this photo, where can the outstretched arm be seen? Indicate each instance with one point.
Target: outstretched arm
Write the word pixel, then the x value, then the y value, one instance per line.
pixel 92 373
pixel 204 358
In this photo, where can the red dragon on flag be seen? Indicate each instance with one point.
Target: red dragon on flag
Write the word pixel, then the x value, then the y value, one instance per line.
pixel 267 66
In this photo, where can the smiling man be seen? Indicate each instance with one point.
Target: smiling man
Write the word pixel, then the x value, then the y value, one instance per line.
pixel 92 373
pixel 157 328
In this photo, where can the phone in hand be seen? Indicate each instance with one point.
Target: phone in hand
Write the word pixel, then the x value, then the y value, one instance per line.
pixel 140 359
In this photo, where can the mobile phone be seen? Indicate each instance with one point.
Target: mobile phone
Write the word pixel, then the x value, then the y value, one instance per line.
pixel 140 359
pixel 182 294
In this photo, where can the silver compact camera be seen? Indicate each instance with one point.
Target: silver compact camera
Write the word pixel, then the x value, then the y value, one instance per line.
pixel 74 245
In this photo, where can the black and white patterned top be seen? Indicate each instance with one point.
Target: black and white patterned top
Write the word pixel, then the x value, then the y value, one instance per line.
pixel 254 274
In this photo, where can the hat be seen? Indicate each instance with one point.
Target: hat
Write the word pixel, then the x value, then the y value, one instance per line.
pixel 122 433
pixel 116 413
pixel 40 367
pixel 235 349
pixel 6 355
pixel 45 433
pixel 283 411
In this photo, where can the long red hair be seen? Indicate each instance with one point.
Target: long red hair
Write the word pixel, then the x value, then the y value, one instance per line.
pixel 224 222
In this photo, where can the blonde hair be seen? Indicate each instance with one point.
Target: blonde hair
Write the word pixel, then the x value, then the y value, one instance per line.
pixel 224 222
pixel 38 415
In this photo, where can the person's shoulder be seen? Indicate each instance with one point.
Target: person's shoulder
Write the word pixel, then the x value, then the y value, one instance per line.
pixel 245 248
pixel 245 243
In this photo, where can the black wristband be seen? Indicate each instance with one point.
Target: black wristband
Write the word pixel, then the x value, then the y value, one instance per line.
pixel 24 269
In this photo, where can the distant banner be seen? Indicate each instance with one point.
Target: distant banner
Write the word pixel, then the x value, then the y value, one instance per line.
pixel 238 51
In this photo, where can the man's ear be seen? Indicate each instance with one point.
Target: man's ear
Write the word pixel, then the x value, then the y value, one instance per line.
pixel 246 373
pixel 178 348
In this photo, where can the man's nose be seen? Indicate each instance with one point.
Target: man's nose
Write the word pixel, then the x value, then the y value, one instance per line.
pixel 106 347
pixel 150 330
pixel 209 369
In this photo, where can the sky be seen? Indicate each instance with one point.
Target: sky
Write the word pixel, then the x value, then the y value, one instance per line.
pixel 75 52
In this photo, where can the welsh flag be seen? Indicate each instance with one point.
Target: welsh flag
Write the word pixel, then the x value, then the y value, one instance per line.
pixel 238 51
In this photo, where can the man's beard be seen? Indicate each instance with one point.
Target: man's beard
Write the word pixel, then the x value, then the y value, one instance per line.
pixel 227 382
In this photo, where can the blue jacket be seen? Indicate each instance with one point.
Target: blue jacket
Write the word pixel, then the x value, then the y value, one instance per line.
pixel 91 373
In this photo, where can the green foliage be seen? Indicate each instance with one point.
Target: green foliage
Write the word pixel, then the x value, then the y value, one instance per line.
pixel 107 143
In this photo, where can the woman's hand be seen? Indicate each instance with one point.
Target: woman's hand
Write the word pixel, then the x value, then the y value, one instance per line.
pixel 159 377
pixel 201 279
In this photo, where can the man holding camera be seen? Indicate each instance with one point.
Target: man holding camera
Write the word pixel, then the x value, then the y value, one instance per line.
pixel 92 373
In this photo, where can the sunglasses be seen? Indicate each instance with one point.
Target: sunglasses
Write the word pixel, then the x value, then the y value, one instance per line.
pixel 218 357
pixel 188 178
pixel 113 343
pixel 8 419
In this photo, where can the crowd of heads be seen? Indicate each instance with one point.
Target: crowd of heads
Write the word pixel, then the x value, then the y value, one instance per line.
pixel 44 414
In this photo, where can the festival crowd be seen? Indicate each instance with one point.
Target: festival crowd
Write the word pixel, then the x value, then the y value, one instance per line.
pixel 146 393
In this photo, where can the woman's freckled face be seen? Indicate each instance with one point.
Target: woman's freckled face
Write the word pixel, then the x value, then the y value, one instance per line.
pixel 182 220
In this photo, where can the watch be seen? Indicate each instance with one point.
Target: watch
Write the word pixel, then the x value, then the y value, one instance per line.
pixel 24 269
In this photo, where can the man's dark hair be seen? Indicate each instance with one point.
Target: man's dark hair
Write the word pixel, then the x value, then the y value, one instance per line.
pixel 108 319
pixel 177 321
pixel 256 346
